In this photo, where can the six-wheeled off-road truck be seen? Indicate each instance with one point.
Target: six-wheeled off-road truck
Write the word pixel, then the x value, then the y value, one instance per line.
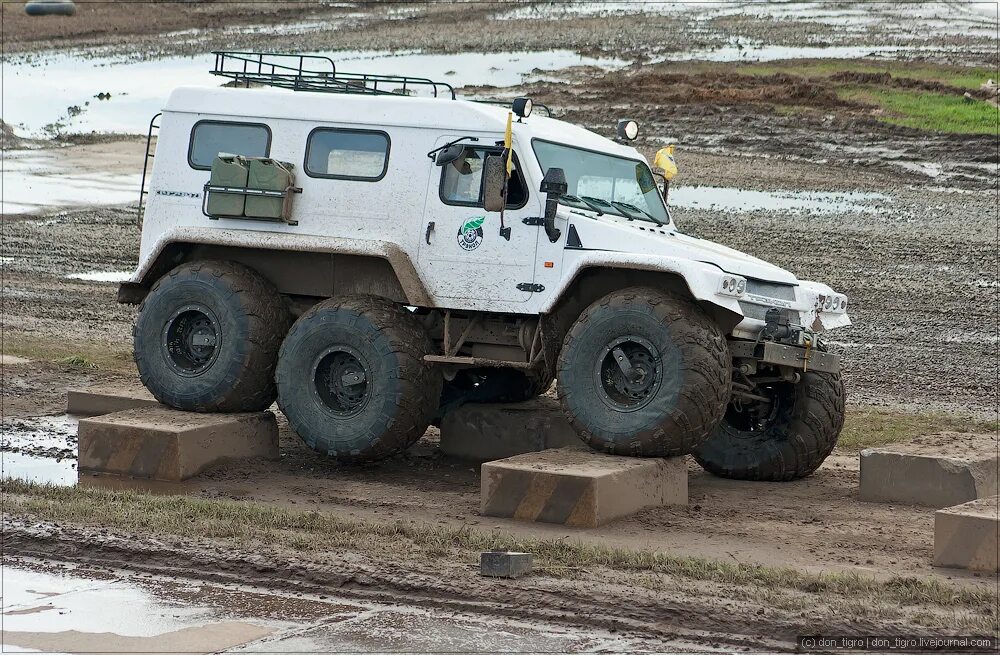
pixel 372 257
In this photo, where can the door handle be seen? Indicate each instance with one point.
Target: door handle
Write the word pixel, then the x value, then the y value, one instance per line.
pixel 427 235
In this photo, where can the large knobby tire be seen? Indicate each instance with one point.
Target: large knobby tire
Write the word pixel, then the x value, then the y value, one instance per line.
pixel 352 379
pixel 207 336
pixel 785 439
pixel 680 374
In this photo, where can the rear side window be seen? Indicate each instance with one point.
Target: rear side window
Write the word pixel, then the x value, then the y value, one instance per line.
pixel 209 138
pixel 347 154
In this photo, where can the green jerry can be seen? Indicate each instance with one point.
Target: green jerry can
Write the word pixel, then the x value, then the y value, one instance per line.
pixel 269 175
pixel 230 171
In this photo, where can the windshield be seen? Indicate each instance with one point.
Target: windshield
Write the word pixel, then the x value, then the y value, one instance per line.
pixel 604 183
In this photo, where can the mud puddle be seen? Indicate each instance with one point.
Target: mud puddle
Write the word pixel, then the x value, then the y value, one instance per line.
pixel 37 180
pixel 40 449
pixel 111 95
pixel 65 609
pixel 747 50
pixel 731 199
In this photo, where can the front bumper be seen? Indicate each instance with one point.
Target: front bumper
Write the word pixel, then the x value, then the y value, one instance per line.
pixel 778 354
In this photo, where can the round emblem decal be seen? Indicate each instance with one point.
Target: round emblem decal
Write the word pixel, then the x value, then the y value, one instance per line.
pixel 470 235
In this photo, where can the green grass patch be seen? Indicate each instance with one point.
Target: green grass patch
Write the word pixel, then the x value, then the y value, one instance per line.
pixel 959 76
pixel 869 427
pixel 262 525
pixel 934 112
pixel 68 353
pixel 76 361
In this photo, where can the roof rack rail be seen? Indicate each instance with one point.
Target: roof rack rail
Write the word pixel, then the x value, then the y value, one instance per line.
pixel 506 103
pixel 315 73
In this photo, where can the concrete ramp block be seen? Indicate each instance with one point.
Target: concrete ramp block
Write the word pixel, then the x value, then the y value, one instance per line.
pixel 966 536
pixel 580 488
pixel 483 432
pixel 937 470
pixel 108 398
pixel 166 444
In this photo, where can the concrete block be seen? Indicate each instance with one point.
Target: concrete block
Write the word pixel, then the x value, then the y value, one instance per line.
pixel 504 564
pixel 580 488
pixel 937 470
pixel 167 444
pixel 966 536
pixel 483 432
pixel 107 398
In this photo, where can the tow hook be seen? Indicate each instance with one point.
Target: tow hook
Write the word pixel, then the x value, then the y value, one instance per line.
pixel 807 342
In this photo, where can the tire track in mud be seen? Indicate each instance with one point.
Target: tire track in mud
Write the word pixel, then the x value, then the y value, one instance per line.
pixel 597 602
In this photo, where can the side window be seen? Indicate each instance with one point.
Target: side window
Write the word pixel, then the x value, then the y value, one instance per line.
pixel 347 154
pixel 462 180
pixel 209 138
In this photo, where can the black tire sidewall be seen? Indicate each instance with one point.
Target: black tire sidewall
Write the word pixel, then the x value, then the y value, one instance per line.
pixel 380 428
pixel 223 374
pixel 609 427
pixel 801 436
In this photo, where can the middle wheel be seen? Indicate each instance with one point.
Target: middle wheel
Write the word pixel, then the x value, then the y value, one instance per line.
pixel 352 380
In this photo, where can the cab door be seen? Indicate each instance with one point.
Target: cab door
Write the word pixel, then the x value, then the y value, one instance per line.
pixel 462 254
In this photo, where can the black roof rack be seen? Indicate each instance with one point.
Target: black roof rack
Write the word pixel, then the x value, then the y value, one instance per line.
pixel 315 73
pixel 319 73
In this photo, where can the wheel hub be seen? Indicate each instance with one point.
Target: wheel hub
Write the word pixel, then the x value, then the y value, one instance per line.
pixel 628 373
pixel 340 379
pixel 191 339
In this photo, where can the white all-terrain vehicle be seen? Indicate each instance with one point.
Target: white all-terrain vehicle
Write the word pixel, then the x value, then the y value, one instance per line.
pixel 372 258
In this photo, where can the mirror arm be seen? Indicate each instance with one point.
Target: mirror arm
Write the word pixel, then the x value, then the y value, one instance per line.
pixel 430 155
pixel 551 231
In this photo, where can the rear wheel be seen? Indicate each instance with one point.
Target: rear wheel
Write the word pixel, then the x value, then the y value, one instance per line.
pixel 783 438
pixel 207 336
pixel 352 380
pixel 644 373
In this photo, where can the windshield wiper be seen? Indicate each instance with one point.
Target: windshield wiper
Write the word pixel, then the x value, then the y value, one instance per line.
pixel 632 209
pixel 577 200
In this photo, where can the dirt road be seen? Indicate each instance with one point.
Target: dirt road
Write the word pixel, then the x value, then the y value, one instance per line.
pixel 782 161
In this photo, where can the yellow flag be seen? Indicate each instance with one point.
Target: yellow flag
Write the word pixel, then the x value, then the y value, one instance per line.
pixel 665 160
pixel 508 142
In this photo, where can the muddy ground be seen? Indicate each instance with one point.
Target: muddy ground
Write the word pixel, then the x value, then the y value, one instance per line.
pixel 918 261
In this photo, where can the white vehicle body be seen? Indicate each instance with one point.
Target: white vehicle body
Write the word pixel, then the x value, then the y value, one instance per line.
pixel 401 218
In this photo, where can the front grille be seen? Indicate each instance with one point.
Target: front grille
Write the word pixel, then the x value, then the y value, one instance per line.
pixel 771 289
pixel 751 310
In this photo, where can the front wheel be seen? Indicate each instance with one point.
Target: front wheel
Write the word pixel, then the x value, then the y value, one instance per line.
pixel 784 438
pixel 644 373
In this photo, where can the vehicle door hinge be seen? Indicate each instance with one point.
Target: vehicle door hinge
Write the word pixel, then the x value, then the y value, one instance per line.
pixel 533 220
pixel 528 286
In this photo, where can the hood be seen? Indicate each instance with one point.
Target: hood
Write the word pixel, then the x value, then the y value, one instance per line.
pixel 615 234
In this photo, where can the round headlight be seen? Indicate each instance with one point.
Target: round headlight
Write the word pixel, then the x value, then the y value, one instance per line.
pixel 829 303
pixel 628 130
pixel 741 286
pixel 843 303
pixel 522 107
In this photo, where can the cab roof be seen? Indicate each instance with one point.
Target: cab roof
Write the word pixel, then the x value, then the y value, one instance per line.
pixel 451 117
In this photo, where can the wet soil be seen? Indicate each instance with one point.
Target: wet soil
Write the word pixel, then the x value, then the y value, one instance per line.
pixel 919 269
pixel 706 614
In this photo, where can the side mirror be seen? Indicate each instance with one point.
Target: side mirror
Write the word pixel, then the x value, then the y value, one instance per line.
pixel 494 183
pixel 554 182
pixel 449 154
pixel 554 186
